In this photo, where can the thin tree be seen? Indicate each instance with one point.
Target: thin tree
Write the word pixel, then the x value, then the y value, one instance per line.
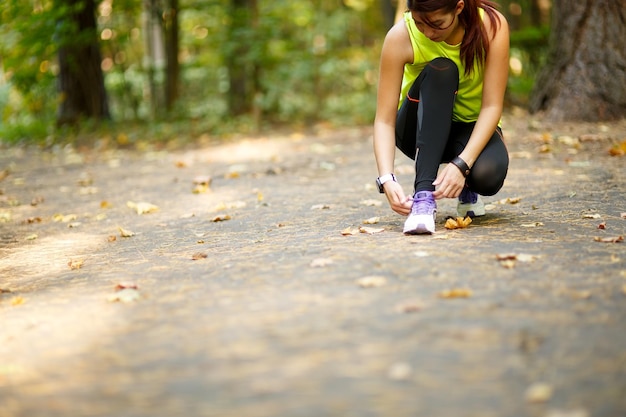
pixel 81 80
pixel 585 74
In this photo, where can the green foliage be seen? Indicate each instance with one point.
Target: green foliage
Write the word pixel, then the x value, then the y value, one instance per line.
pixel 312 61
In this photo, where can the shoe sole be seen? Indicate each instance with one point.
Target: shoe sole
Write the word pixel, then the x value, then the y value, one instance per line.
pixel 420 229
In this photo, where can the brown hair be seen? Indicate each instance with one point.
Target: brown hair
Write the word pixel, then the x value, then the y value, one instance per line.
pixel 475 45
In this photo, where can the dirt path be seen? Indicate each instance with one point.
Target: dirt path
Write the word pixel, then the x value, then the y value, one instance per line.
pixel 249 299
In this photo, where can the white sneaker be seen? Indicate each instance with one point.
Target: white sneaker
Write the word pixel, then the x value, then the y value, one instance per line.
pixel 423 214
pixel 470 204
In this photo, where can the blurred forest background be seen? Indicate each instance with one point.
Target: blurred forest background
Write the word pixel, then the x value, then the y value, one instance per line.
pixel 213 67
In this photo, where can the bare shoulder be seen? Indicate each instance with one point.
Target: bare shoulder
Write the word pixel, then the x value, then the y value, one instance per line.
pixel 501 24
pixel 397 45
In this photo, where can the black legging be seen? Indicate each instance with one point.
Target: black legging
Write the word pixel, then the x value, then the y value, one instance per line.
pixel 424 122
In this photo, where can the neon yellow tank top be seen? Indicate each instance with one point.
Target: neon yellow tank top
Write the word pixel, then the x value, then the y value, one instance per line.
pixel 469 97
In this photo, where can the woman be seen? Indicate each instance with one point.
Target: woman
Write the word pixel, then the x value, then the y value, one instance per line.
pixel 447 60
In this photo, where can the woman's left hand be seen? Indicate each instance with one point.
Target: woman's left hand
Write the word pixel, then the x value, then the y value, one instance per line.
pixel 449 183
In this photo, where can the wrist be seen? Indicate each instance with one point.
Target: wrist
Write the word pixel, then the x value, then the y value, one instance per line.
pixel 380 181
pixel 461 165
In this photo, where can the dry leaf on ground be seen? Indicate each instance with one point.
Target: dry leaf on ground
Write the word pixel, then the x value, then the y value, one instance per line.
pixel 125 295
pixel 76 264
pixel 124 285
pixel 142 207
pixel 612 239
pixel 370 230
pixel 509 260
pixel 371 281
pixel 539 392
pixel 320 207
pixel 125 232
pixel 321 262
pixel 372 203
pixel 349 231
pixel 455 293
pixel 371 220
pixel 198 255
pixel 458 223
pixel 16 301
pixel 220 218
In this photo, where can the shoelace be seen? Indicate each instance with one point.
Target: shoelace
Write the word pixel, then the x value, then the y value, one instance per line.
pixel 423 205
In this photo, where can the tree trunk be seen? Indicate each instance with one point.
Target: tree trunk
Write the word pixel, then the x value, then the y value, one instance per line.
pixel 81 81
pixel 242 71
pixel 585 74
pixel 170 27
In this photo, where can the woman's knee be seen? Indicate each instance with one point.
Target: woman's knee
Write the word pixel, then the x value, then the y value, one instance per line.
pixel 487 178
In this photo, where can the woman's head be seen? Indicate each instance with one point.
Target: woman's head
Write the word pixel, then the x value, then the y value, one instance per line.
pixel 441 15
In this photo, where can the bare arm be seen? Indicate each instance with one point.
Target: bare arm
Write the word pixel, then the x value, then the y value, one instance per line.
pixel 396 52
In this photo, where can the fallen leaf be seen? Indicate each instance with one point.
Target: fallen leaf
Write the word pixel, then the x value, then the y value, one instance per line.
pixel 372 281
pixel 399 371
pixel 370 230
pixel 124 285
pixel 320 262
pixel 5 217
pixel 105 204
pixel 232 175
pixel 125 295
pixel 125 232
pixel 142 207
pixel 6 290
pixel 32 220
pixel 372 203
pixel 614 239
pixel 371 220
pixel 455 293
pixel 539 392
pixel 3 174
pixel 413 306
pixel 36 201
pixel 200 189
pixel 74 225
pixel 592 216
pixel 112 238
pixel 535 224
pixel 180 164
pixel 508 260
pixel 320 207
pixel 16 301
pixel 220 218
pixel 623 215
pixel 602 226
pixel 458 223
pixel 349 231
pixel 76 264
pixel 618 149
pixel 198 255
pixel 64 218
pixel 31 237
pixel 510 200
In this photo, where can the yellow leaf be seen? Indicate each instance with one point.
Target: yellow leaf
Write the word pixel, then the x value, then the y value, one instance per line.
pixel 458 223
pixel 125 233
pixel 371 220
pixel 456 293
pixel 16 301
pixel 142 207
pixel 76 264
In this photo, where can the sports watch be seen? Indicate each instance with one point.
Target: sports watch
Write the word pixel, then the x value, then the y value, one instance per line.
pixel 383 179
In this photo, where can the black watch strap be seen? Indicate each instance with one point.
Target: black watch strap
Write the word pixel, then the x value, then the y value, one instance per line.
pixel 462 165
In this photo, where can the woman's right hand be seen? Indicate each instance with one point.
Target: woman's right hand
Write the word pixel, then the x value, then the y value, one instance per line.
pixel 399 202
